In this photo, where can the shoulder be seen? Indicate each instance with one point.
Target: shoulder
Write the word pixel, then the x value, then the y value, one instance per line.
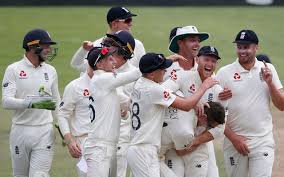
pixel 13 67
pixel 50 67
pixel 138 42
pixel 227 68
pixel 97 43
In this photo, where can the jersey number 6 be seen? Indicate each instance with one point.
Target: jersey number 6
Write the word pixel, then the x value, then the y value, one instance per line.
pixel 91 107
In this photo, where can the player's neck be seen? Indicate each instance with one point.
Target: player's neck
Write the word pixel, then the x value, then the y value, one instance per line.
pixel 33 58
pixel 186 64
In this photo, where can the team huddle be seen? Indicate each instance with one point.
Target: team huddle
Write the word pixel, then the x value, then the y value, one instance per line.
pixel 143 112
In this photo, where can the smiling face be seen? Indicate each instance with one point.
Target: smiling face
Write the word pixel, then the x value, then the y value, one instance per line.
pixel 190 45
pixel 206 65
pixel 246 53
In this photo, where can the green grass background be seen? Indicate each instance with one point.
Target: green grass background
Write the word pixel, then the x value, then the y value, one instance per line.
pixel 71 25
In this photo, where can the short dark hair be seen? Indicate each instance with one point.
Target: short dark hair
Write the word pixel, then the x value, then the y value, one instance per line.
pixel 216 113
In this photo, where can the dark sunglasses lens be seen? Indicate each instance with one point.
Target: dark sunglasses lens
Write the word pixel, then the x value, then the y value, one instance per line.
pixel 129 20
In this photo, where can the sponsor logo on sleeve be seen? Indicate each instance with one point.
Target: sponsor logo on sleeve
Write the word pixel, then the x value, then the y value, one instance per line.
pixel 5 84
pixel 61 104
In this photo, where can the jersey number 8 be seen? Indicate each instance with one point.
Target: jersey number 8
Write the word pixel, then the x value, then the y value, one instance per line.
pixel 136 123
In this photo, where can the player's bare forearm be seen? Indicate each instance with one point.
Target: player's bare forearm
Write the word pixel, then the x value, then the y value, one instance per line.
pixel 277 96
pixel 196 142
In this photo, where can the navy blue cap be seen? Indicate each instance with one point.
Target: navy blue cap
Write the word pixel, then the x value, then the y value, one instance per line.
pixel 118 13
pixel 35 37
pixel 124 38
pixel 98 53
pixel 246 37
pixel 210 51
pixel 152 61
pixel 262 57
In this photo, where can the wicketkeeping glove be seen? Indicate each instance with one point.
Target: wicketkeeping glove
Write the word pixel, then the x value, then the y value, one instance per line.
pixel 44 104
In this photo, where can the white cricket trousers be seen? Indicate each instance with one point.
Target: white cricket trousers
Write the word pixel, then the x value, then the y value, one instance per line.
pixel 121 159
pixel 213 170
pixel 143 160
pixel 196 163
pixel 99 158
pixel 259 161
pixel 81 141
pixel 32 149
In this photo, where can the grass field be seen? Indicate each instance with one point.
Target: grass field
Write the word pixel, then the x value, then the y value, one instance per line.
pixel 71 25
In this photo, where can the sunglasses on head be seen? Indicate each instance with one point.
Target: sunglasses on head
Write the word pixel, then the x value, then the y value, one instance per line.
pixel 128 20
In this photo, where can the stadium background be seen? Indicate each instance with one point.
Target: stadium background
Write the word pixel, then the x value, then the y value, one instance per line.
pixel 71 25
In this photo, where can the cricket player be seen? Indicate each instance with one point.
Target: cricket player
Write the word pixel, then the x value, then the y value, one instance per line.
pixel 148 103
pixel 249 143
pixel 100 146
pixel 197 163
pixel 186 42
pixel 76 112
pixel 118 18
pixel 30 87
pixel 124 43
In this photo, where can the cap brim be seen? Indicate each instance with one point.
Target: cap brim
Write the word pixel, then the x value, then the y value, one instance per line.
pixel 244 42
pixel 48 42
pixel 173 47
pixel 210 54
pixel 166 64
pixel 128 16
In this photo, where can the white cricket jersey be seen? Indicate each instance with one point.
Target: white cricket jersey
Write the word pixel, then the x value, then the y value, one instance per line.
pixel 149 101
pixel 75 108
pixel 249 108
pixel 106 123
pixel 22 79
pixel 124 93
pixel 80 63
pixel 189 82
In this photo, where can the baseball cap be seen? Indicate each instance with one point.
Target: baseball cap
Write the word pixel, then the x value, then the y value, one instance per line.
pixel 118 13
pixel 262 57
pixel 98 53
pixel 124 38
pixel 37 36
pixel 246 36
pixel 182 33
pixel 152 61
pixel 208 50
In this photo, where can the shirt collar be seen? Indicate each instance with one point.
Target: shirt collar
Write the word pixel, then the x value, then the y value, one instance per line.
pixel 257 65
pixel 86 76
pixel 28 63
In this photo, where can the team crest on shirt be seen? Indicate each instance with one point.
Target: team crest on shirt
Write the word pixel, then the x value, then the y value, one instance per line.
pixel 166 95
pixel 192 88
pixel 86 92
pixel 23 74
pixel 237 77
pixel 173 75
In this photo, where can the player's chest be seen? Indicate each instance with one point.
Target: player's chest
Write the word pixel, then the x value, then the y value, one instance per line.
pixel 33 79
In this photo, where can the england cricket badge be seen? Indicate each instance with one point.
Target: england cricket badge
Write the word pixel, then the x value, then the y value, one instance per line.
pixel 192 88
pixel 237 77
pixel 86 92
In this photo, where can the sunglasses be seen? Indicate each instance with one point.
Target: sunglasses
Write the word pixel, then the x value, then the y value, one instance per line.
pixel 128 20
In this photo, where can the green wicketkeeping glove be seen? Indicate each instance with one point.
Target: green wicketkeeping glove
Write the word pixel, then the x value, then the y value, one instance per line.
pixel 45 104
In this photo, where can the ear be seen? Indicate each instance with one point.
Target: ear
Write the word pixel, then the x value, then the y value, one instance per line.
pixel 179 43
